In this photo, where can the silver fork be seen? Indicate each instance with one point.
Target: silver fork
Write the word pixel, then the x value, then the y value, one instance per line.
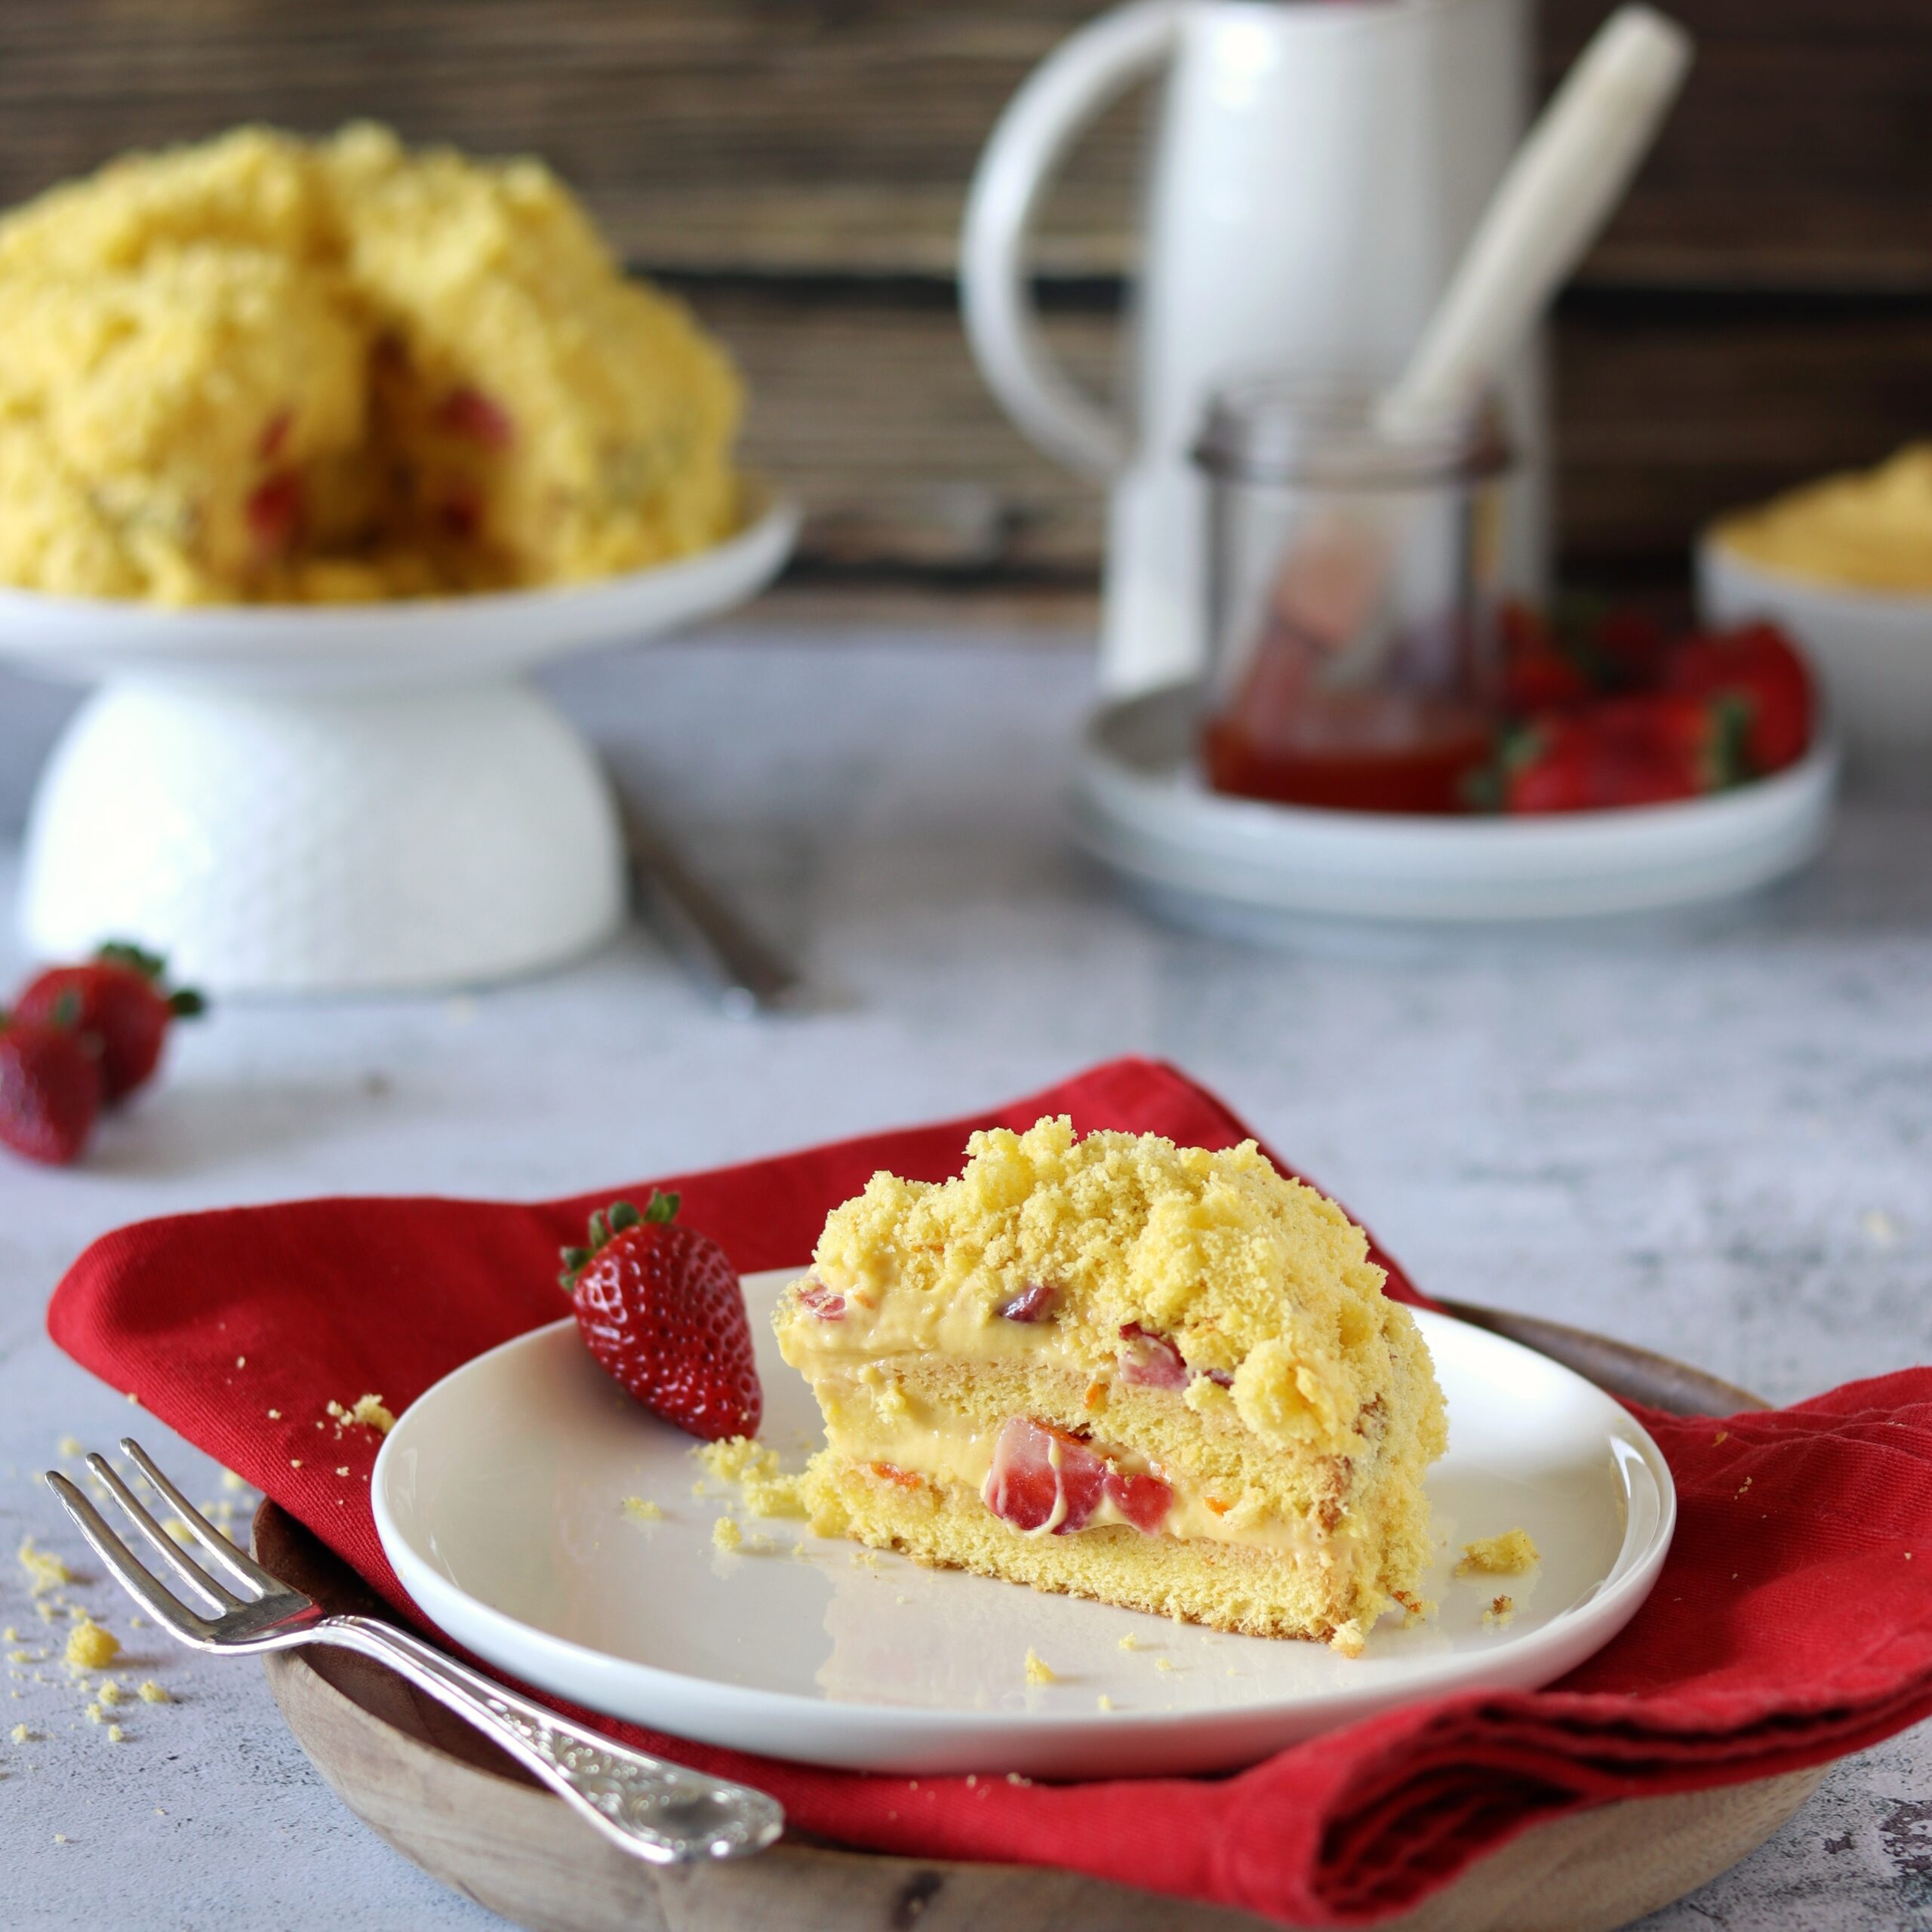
pixel 659 1811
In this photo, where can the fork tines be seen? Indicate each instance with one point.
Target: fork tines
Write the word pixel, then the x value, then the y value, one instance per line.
pixel 136 1578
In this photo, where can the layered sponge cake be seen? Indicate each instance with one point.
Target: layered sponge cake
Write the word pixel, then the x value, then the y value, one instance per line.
pixel 1151 1375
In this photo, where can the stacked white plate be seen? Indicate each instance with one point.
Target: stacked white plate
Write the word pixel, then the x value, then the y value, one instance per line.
pixel 1278 871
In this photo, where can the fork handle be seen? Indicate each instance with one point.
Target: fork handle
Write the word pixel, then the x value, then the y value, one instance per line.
pixel 653 1809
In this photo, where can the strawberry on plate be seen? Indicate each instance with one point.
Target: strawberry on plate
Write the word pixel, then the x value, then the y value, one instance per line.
pixel 120 998
pixel 1642 750
pixel 1758 669
pixel 660 1308
pixel 49 1087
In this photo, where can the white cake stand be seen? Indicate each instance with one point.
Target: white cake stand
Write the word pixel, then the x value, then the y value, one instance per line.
pixel 311 799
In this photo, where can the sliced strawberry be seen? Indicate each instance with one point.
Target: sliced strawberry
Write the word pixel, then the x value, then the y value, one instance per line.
pixel 1034 1468
pixel 660 1308
pixel 50 1089
pixel 467 412
pixel 1149 1359
pixel 823 1302
pixel 1144 1500
pixel 1759 670
pixel 121 1002
pixel 1034 1303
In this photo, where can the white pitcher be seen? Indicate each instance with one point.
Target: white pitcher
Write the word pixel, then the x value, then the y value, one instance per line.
pixel 1317 167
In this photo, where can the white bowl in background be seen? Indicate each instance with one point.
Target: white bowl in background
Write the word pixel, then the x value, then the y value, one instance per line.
pixel 1872 649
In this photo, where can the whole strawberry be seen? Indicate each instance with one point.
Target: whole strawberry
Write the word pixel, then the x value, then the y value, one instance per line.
pixel 660 1307
pixel 122 999
pixel 50 1088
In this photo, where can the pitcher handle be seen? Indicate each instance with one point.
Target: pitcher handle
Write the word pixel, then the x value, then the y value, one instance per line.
pixel 1052 109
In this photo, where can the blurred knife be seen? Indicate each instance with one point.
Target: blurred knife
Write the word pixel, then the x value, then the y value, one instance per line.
pixel 707 935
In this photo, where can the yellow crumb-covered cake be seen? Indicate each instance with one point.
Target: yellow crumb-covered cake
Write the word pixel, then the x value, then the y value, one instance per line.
pixel 1148 1374
pixel 263 368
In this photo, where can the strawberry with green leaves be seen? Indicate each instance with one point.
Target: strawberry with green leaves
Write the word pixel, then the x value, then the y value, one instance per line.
pixel 659 1306
pixel 120 998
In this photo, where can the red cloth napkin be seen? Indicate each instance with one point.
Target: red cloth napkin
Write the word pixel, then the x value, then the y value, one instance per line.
pixel 1793 1622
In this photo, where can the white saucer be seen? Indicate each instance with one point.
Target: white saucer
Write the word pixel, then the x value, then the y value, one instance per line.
pixel 498 1497
pixel 1140 806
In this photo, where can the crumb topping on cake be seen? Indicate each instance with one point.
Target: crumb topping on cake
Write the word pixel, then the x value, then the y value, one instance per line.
pixel 1207 1271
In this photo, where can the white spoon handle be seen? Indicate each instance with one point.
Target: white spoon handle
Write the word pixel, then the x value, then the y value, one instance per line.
pixel 1566 177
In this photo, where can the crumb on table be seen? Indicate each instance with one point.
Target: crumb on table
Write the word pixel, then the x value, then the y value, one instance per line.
pixel 149 1692
pixel 1037 1669
pixel 366 1409
pixel 45 1571
pixel 1510 1554
pixel 726 1534
pixel 641 1509
pixel 91 1646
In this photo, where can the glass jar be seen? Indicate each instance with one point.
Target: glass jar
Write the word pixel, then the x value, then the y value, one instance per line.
pixel 1352 602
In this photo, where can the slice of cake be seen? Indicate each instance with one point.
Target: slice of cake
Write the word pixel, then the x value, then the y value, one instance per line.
pixel 1148 1374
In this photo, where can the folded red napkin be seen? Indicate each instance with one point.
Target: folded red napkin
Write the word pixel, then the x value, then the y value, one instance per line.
pixel 1792 1624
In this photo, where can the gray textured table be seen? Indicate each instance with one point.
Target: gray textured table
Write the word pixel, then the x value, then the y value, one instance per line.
pixel 1715 1146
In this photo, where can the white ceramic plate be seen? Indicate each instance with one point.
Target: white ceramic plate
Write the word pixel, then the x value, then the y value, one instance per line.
pixel 1141 807
pixel 407 640
pixel 498 1497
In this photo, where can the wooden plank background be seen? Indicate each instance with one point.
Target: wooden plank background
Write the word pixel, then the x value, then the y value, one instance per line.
pixel 1761 310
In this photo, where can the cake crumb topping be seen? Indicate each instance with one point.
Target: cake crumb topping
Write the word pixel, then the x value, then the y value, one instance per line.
pixel 1512 1554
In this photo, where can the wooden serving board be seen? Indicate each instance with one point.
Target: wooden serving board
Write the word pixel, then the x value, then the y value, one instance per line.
pixel 454 1804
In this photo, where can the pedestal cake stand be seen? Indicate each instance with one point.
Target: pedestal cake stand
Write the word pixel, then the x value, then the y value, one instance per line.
pixel 299 799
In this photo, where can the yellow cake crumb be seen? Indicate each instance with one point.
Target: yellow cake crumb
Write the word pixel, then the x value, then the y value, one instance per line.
pixel 116 1735
pixel 641 1509
pixel 179 1530
pixel 1500 1611
pixel 69 1446
pixel 110 1693
pixel 753 1470
pixel 1164 1663
pixel 45 1571
pixel 726 1534
pixel 1510 1554
pixel 1130 1642
pixel 95 1714
pixel 1103 1702
pixel 21 1734
pixel 1037 1669
pixel 229 1480
pixel 149 1692
pixel 91 1646
pixel 368 1410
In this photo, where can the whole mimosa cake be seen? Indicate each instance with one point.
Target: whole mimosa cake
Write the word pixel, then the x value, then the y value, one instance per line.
pixel 1151 1375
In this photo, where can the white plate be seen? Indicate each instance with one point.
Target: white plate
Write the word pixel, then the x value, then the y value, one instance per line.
pixel 1141 807
pixel 406 640
pixel 498 1499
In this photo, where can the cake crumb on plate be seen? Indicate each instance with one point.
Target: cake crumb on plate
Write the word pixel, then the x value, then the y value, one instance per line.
pixel 1038 1670
pixel 1512 1554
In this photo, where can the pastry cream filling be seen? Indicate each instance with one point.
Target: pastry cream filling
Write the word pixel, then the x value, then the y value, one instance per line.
pixel 912 1437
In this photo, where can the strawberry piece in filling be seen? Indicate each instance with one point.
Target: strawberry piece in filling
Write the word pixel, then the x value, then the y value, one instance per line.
pixel 1042 1478
pixel 273 513
pixel 1149 1359
pixel 477 418
pixel 822 1301
pixel 1034 1303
